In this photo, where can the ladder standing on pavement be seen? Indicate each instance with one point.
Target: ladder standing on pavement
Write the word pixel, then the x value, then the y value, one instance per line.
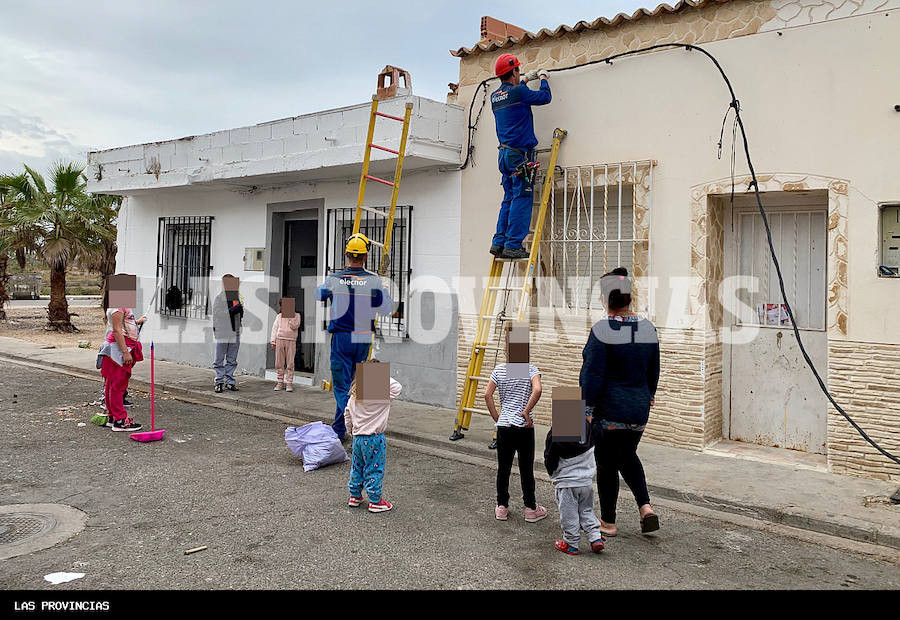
pixel 485 320
pixel 385 245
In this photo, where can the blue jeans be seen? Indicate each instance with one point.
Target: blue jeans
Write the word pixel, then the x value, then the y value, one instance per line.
pixel 345 354
pixel 226 360
pixel 518 200
pixel 367 466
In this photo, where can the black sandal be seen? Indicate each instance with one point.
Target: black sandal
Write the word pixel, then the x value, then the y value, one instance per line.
pixel 218 388
pixel 650 523
pixel 232 387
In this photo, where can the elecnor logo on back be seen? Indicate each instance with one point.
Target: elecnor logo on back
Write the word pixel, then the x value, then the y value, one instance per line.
pixel 498 97
pixel 353 282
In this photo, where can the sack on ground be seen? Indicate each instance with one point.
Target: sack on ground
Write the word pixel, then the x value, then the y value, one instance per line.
pixel 317 444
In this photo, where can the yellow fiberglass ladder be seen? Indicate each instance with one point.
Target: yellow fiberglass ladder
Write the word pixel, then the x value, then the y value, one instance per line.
pixel 489 317
pixel 384 92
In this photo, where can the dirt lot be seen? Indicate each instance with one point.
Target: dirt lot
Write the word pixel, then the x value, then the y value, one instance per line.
pixel 30 324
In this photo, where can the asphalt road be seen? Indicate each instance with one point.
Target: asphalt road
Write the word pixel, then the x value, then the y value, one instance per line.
pixel 228 481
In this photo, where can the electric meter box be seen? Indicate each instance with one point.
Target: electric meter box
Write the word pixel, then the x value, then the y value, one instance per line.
pixel 890 237
pixel 254 259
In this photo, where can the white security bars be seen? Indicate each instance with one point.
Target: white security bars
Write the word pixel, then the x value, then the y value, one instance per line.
pixel 591 230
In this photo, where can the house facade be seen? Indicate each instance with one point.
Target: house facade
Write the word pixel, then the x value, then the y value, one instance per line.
pixel 641 183
pixel 273 204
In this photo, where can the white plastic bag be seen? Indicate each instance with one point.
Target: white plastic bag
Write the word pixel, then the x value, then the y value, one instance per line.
pixel 317 444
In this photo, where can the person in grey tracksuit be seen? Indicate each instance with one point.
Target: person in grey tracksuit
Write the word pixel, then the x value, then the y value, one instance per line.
pixel 227 317
pixel 571 468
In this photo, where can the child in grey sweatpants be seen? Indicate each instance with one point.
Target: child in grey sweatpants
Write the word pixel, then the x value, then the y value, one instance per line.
pixel 571 467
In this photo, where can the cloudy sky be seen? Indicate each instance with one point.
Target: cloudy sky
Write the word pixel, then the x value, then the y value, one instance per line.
pixel 93 75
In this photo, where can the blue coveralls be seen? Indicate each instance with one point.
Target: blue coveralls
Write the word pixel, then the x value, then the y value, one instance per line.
pixel 356 297
pixel 511 105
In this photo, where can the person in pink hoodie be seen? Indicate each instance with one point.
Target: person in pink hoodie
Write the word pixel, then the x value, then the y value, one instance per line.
pixel 284 342
pixel 366 421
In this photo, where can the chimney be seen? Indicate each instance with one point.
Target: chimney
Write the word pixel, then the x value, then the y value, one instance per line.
pixel 492 29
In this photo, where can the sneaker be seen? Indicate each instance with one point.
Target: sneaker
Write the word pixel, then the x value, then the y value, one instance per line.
pixel 232 387
pixel 502 513
pixel 278 387
pixel 127 425
pixel 103 406
pixel 533 516
pixel 496 250
pixel 566 547
pixel 218 388
pixel 492 445
pixel 127 402
pixel 598 545
pixel 382 506
pixel 289 388
pixel 353 502
pixel 514 254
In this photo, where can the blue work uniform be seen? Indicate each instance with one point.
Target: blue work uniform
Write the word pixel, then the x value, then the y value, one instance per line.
pixel 511 105
pixel 356 295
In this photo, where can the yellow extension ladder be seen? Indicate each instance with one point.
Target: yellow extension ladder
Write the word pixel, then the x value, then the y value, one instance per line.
pixel 385 246
pixel 486 316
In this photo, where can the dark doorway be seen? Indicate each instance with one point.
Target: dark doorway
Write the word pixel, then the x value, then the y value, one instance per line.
pixel 300 246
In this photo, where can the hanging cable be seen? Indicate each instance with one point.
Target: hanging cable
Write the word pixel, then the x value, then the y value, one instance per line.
pixel 739 123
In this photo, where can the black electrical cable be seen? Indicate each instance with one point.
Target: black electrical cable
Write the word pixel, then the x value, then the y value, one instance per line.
pixel 755 183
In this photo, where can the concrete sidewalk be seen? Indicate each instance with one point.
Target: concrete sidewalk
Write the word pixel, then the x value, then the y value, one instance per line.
pixel 797 496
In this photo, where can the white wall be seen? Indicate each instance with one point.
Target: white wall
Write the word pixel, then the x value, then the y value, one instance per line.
pixel 240 222
pixel 816 99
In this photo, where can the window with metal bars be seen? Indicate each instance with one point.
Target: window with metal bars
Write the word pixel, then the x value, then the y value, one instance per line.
pixel 182 270
pixel 338 231
pixel 590 230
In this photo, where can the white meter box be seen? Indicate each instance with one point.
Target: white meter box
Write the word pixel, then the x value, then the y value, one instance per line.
pixel 254 259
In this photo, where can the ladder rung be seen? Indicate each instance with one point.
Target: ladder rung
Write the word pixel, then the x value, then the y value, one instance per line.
pixel 499 318
pixel 488 347
pixel 378 243
pixel 504 288
pixel 479 378
pixel 474 410
pixel 375 211
pixel 384 148
pixel 371 178
pixel 396 118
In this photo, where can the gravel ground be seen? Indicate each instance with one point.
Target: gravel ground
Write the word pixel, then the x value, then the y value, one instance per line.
pixel 228 481
pixel 31 324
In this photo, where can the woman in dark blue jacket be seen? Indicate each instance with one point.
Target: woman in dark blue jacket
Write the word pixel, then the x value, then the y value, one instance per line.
pixel 618 383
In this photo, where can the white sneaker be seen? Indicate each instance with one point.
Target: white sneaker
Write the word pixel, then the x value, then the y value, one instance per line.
pixel 289 387
pixel 277 387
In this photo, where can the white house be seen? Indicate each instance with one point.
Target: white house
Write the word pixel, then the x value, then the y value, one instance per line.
pixel 273 204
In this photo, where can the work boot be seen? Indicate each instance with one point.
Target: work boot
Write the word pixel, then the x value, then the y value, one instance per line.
pixel 514 254
pixel 496 250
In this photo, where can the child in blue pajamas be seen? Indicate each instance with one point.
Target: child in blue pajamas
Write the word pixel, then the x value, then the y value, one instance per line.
pixel 366 421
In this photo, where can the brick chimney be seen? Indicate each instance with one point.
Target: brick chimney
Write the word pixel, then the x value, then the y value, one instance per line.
pixel 492 29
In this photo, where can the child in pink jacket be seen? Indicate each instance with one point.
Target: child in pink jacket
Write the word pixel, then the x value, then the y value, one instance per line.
pixel 284 342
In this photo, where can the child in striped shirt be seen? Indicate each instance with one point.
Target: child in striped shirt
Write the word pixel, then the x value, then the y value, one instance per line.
pixel 519 385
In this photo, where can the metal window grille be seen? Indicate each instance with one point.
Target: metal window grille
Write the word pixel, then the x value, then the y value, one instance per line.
pixel 340 227
pixel 589 231
pixel 182 270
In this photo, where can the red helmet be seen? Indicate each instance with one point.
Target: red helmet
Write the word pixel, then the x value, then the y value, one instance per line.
pixel 505 64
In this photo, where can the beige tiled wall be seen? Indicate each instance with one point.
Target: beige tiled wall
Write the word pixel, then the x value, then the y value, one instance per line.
pixel 864 379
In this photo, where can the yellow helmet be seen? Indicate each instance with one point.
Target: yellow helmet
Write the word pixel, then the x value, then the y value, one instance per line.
pixel 357 244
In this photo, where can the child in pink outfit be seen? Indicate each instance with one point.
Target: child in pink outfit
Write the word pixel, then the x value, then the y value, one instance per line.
pixel 284 342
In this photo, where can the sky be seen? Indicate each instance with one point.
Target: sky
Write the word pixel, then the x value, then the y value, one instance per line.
pixel 84 76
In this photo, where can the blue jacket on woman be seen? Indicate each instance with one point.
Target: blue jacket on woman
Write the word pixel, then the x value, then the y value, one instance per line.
pixel 620 371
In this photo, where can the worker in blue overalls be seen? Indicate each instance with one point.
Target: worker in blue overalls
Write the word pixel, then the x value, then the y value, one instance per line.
pixel 511 104
pixel 356 295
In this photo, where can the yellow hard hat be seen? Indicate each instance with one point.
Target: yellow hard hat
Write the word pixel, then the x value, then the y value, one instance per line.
pixel 357 244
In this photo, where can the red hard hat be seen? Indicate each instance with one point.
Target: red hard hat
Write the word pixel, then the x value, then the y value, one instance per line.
pixel 505 64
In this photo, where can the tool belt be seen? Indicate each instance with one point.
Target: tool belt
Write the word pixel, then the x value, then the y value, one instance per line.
pixel 528 168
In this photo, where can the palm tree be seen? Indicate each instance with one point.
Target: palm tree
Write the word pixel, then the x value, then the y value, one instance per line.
pixel 102 258
pixel 64 221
